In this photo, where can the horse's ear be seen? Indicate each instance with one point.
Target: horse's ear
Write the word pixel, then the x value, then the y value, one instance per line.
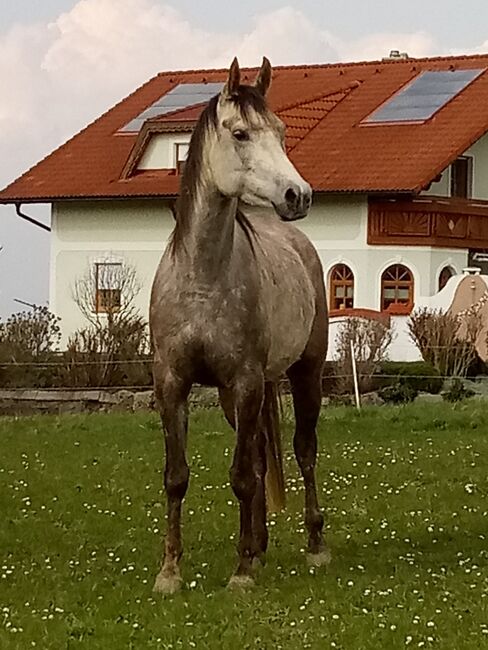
pixel 263 80
pixel 233 80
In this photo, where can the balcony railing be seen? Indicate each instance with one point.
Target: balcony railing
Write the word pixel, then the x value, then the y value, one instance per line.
pixel 429 221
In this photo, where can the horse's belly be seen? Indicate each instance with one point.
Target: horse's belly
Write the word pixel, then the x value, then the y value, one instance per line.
pixel 291 316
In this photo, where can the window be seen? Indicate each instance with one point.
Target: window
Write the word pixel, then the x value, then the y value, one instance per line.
pixel 181 152
pixel 107 282
pixel 397 289
pixel 445 275
pixel 461 177
pixel 341 287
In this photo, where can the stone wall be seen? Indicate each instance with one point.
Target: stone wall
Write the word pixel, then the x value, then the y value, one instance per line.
pixel 31 402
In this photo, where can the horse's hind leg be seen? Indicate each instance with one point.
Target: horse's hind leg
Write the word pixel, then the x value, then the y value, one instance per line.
pixel 172 397
pixel 305 379
pixel 248 399
pixel 260 531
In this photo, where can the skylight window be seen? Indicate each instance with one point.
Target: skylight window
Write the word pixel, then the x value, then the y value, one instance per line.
pixel 424 96
pixel 179 97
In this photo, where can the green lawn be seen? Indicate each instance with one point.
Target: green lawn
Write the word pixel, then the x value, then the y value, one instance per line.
pixel 405 496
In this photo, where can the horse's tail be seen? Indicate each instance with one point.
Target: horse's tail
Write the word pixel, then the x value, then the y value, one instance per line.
pixel 275 481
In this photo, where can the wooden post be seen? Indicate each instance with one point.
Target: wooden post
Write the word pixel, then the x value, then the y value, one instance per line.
pixel 355 378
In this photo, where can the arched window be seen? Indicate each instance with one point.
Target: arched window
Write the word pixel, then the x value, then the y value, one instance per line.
pixel 397 289
pixel 444 276
pixel 341 287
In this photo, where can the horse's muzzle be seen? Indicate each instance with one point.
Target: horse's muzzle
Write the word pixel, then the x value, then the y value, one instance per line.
pixel 296 204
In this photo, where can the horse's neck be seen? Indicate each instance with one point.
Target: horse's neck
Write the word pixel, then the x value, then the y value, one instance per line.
pixel 209 240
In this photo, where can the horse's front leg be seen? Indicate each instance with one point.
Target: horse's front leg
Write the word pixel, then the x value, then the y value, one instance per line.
pixel 248 399
pixel 307 394
pixel 172 397
pixel 260 531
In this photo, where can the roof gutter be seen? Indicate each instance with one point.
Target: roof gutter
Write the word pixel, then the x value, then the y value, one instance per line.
pixel 22 215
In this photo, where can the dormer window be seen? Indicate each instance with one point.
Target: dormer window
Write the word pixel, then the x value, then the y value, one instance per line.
pixel 181 153
pixel 461 177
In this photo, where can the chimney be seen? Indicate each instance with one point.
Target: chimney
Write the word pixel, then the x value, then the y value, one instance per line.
pixel 396 55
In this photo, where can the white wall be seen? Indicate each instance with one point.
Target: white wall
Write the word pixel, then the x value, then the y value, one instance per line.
pixel 86 232
pixel 137 231
pixel 160 152
pixel 479 153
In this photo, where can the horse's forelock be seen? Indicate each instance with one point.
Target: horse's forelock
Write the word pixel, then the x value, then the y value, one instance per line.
pixel 249 100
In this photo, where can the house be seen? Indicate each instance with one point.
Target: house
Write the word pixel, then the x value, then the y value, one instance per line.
pixel 395 150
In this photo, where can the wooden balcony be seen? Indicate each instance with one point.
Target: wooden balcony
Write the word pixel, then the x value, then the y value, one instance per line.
pixel 428 221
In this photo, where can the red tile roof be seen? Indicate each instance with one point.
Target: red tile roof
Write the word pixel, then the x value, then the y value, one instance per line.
pixel 323 107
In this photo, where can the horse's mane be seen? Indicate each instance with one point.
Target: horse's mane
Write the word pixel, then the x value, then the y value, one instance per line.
pixel 247 99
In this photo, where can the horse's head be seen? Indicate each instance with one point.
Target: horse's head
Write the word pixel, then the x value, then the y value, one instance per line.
pixel 247 157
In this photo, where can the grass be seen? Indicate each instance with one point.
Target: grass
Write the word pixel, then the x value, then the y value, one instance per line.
pixel 404 492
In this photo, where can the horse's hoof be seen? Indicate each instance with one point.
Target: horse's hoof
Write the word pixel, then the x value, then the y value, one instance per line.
pixel 165 584
pixel 258 562
pixel 239 583
pixel 322 558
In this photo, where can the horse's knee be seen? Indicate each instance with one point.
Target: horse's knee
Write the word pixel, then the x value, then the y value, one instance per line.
pixel 176 481
pixel 314 521
pixel 243 483
pixel 305 447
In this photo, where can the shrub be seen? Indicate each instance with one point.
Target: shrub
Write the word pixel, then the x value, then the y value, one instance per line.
pixel 115 354
pixel 419 375
pixel 370 340
pixel 457 391
pixel 446 341
pixel 29 338
pixel 329 378
pixel 399 393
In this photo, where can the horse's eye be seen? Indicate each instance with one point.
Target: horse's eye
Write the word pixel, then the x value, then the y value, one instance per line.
pixel 242 136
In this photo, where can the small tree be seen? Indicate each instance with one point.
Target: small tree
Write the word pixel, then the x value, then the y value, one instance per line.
pixel 112 350
pixel 370 340
pixel 446 341
pixel 106 292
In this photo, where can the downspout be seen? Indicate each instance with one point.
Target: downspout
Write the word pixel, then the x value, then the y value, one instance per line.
pixel 30 219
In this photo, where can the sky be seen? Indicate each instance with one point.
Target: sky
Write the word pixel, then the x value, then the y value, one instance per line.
pixel 64 62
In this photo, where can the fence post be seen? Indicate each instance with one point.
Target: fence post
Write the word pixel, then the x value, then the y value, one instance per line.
pixel 355 378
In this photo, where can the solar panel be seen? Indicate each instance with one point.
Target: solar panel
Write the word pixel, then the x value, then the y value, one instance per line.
pixel 181 96
pixel 424 96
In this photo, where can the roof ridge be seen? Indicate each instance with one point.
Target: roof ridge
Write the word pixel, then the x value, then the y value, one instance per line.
pixel 335 64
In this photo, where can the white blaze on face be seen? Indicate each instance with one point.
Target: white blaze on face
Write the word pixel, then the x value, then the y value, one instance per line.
pixel 248 161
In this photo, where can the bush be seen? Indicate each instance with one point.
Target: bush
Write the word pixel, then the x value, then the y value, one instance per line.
pixel 419 375
pixel 446 341
pixel 400 393
pixel 29 339
pixel 114 354
pixel 457 391
pixel 329 378
pixel 370 340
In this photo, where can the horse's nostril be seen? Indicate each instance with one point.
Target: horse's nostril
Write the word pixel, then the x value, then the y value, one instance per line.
pixel 291 196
